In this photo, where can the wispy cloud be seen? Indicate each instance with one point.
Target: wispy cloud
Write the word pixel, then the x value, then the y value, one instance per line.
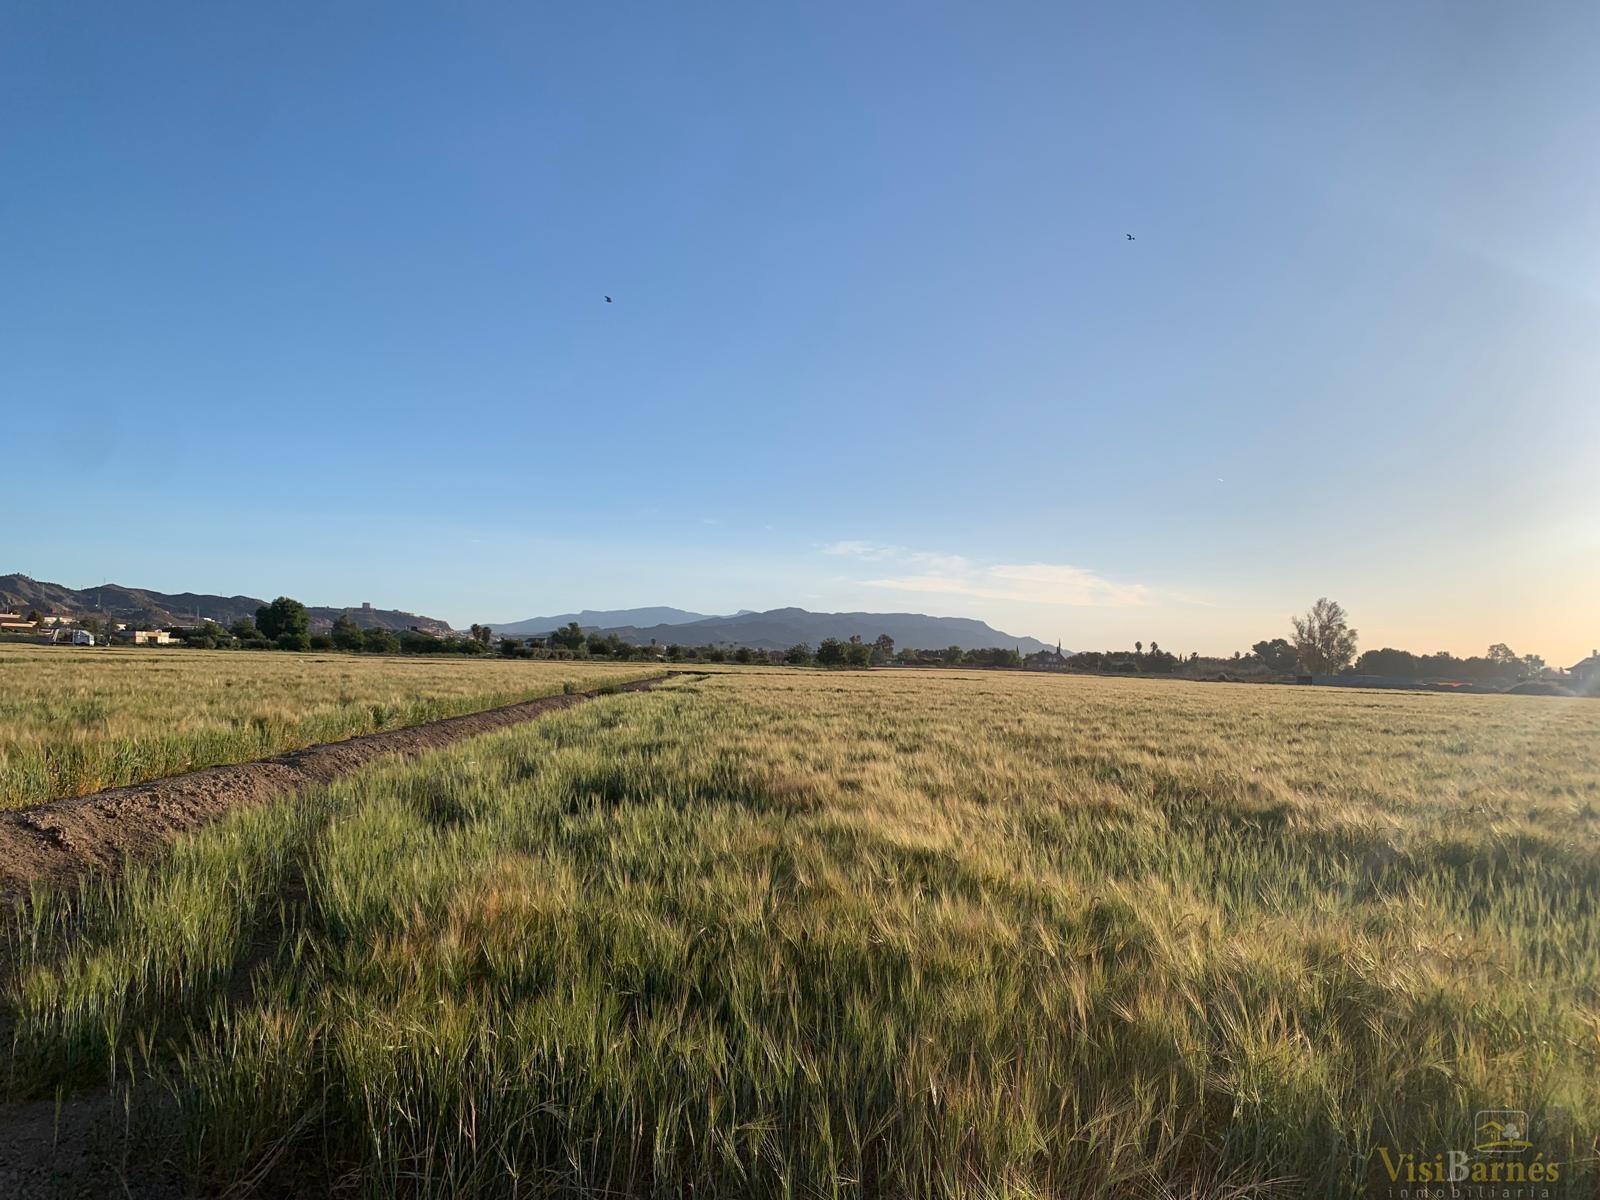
pixel 872 551
pixel 884 552
pixel 933 573
pixel 1030 583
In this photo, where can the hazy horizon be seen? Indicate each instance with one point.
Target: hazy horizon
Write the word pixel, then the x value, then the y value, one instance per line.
pixel 311 300
pixel 956 606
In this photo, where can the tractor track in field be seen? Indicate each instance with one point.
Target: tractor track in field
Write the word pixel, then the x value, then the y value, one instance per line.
pixel 57 842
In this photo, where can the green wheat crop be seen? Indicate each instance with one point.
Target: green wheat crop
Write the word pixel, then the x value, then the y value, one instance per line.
pixel 74 721
pixel 787 934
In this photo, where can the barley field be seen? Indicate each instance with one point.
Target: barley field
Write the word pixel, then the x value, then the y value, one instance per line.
pixel 892 934
pixel 74 721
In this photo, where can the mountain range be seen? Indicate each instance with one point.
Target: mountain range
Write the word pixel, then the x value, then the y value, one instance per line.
pixel 137 606
pixel 781 628
pixel 606 618
pixel 777 629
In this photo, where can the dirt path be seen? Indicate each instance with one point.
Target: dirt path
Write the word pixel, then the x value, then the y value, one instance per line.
pixel 56 842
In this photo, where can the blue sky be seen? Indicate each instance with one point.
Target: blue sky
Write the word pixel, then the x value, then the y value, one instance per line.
pixel 309 299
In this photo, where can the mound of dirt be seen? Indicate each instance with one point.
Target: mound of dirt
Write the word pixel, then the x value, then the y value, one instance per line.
pixel 1539 687
pixel 55 843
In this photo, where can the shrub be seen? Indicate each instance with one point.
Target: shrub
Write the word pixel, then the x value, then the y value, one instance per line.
pixel 379 641
pixel 347 634
pixel 414 641
pixel 293 641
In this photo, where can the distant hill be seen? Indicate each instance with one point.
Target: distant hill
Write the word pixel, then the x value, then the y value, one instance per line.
pixel 142 607
pixel 608 618
pixel 785 627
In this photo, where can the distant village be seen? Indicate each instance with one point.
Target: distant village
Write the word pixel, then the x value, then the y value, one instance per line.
pixel 69 630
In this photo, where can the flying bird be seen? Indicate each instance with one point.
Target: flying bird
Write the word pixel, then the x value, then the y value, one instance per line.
pixel 1130 237
pixel 608 299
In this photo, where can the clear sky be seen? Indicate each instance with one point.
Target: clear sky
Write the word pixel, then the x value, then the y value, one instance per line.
pixel 309 298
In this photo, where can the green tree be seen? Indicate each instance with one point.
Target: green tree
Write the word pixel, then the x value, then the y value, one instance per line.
pixel 347 635
pixel 883 648
pixel 1278 654
pixel 831 653
pixel 207 636
pixel 292 640
pixel 568 637
pixel 282 616
pixel 415 641
pixel 1502 654
pixel 1323 640
pixel 379 641
pixel 482 633
pixel 798 655
pixel 244 629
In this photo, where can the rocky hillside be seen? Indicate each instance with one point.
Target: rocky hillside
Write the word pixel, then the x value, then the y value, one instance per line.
pixel 23 594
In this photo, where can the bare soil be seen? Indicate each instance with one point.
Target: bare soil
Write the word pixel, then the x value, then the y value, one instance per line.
pixel 57 842
pixel 85 1147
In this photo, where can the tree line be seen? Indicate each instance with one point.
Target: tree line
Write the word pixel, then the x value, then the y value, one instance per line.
pixel 1322 643
pixel 285 624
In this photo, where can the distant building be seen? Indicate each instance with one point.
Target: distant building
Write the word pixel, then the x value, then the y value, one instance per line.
pixel 1046 660
pixel 1586 674
pixel 72 637
pixel 146 637
pixel 11 622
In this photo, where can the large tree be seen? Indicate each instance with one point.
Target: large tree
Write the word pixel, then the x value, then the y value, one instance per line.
pixel 568 637
pixel 282 616
pixel 1323 640
pixel 1278 654
pixel 347 634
